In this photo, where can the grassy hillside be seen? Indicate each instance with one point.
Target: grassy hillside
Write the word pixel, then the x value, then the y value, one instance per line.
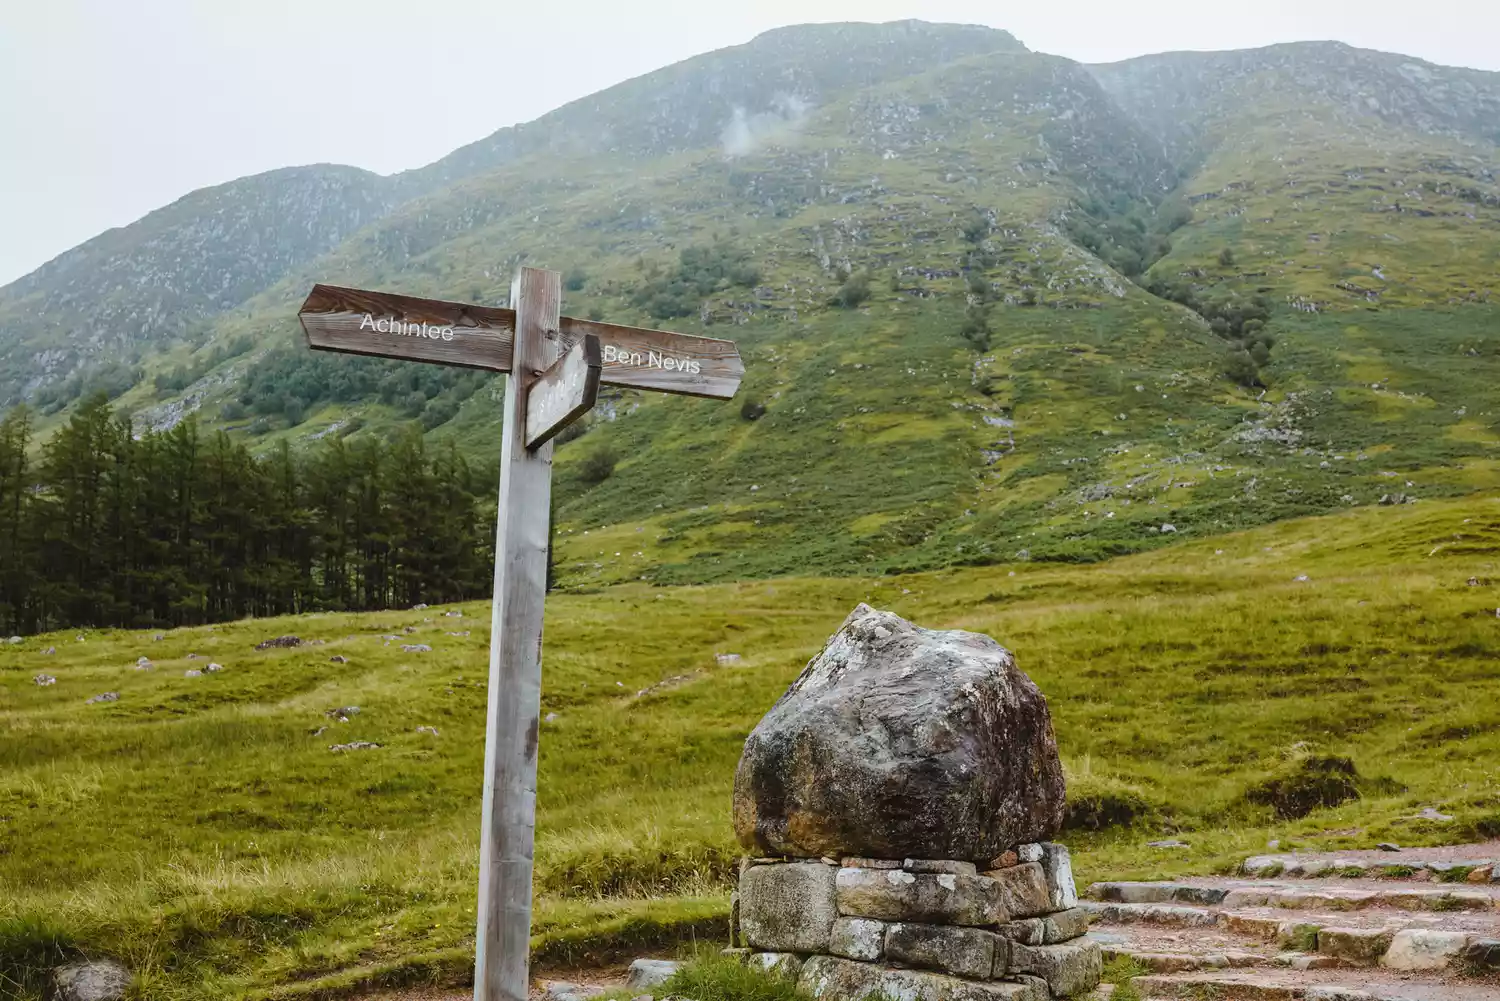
pixel 994 304
pixel 202 829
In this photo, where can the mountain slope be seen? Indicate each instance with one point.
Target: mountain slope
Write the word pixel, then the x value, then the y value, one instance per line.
pixel 129 290
pixel 995 305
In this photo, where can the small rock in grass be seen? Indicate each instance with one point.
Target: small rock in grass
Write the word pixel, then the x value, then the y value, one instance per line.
pixel 45 679
pixel 155 639
pixel 550 718
pixel 357 745
pixel 98 980
pixel 279 641
pixel 727 658
pixel 410 629
pixel 1386 846
pixel 650 972
pixel 49 651
pixel 105 697
pixel 319 731
pixel 1428 813
pixel 464 633
pixel 17 639
pixel 415 648
pixel 338 658
pixel 214 668
pixel 143 662
pixel 454 615
pixel 1300 577
pixel 192 656
pixel 419 606
pixel 1168 843
pixel 428 729
pixel 191 673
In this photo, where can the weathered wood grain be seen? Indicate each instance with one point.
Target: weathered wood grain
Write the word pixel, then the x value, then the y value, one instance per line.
pixel 564 392
pixel 357 321
pixel 661 360
pixel 503 936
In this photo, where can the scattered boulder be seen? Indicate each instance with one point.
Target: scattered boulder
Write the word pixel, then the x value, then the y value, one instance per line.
pixel 44 680
pixel 419 606
pixel 214 668
pixel 650 972
pixel 562 990
pixel 96 980
pixel 342 714
pixel 454 615
pixel 49 651
pixel 192 673
pixel 16 639
pixel 279 642
pixel 192 656
pixel 338 658
pixel 723 659
pixel 143 662
pixel 355 745
pixel 898 741
pixel 428 729
pixel 415 648
pixel 105 697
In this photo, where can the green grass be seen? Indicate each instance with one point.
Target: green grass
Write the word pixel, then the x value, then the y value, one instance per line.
pixel 200 828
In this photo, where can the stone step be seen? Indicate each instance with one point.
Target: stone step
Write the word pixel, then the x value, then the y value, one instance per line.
pixel 1172 938
pixel 1414 867
pixel 1255 985
pixel 1291 896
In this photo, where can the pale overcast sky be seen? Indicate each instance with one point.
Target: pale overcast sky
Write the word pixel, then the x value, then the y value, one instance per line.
pixel 111 108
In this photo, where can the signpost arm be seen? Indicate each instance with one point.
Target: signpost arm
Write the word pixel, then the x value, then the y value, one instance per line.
pixel 502 943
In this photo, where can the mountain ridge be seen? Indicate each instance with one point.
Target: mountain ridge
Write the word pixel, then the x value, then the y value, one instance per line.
pixel 1059 306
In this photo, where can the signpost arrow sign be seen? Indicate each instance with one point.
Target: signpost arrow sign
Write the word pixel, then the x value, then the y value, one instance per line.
pixel 564 392
pixel 361 322
pixel 556 365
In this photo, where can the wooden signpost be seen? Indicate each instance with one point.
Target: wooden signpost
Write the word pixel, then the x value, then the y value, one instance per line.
pixel 556 365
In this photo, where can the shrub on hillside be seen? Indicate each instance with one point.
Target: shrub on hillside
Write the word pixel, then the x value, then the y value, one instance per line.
pixel 1314 782
pixel 598 465
pixel 855 290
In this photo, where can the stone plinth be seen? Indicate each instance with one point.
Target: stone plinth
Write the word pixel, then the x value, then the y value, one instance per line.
pixel 928 928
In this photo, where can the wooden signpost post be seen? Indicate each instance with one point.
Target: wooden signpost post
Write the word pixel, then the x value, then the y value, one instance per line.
pixel 556 365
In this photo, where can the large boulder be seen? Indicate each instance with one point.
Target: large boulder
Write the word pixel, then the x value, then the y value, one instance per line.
pixel 901 742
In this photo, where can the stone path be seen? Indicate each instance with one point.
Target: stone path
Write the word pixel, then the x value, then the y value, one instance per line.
pixel 1415 925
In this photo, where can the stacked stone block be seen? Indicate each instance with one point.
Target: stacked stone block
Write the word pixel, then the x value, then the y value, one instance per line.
pixel 933 930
